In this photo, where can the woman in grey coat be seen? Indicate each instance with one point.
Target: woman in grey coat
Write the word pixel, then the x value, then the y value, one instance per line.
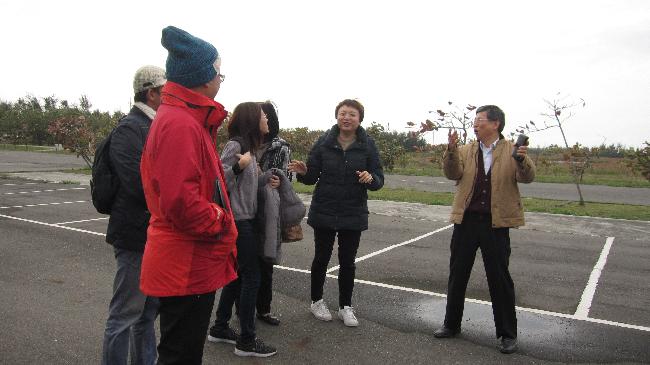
pixel 246 130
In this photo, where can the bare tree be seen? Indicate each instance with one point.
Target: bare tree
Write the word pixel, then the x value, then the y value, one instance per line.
pixel 456 117
pixel 558 111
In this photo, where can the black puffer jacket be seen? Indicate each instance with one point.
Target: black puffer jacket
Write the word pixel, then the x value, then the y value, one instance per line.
pixel 339 200
pixel 127 226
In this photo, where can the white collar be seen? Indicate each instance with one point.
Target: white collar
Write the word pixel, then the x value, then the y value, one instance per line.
pixel 490 147
pixel 146 109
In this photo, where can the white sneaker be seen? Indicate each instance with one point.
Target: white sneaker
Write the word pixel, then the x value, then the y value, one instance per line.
pixel 320 311
pixel 347 316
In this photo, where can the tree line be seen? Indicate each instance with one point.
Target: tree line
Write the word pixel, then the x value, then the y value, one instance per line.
pixel 49 121
pixel 78 128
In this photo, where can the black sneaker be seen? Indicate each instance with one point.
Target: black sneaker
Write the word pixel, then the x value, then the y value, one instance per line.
pixel 257 348
pixel 269 318
pixel 227 336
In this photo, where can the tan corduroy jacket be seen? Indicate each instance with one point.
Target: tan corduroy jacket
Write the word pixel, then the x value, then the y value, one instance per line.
pixel 506 207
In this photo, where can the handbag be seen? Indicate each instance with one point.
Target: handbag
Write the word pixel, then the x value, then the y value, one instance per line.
pixel 292 233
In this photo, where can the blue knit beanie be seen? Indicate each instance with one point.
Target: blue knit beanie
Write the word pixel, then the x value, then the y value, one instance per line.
pixel 190 61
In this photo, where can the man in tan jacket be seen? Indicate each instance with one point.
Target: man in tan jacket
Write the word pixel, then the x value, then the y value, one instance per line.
pixel 486 204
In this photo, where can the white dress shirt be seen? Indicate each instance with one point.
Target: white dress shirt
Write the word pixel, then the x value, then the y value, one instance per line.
pixel 487 155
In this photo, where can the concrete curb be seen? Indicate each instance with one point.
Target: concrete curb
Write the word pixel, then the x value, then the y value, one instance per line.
pixel 54 176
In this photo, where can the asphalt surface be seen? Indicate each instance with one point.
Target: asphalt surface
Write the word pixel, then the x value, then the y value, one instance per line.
pixel 56 277
pixel 18 161
pixel 27 163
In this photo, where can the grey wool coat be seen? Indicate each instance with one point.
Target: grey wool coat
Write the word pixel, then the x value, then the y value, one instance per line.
pixel 278 208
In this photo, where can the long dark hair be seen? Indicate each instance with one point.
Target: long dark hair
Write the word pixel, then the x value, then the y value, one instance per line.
pixel 245 124
pixel 274 124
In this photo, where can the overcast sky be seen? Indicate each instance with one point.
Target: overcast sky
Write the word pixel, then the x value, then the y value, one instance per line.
pixel 401 59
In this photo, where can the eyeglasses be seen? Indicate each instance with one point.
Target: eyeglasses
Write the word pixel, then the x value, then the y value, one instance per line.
pixel 222 77
pixel 477 120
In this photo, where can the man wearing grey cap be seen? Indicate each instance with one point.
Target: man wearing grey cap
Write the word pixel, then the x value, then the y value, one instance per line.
pixel 130 324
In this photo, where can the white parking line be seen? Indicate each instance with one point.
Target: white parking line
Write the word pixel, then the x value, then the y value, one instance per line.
pixel 334 268
pixel 640 230
pixel 43 204
pixel 82 221
pixel 52 225
pixel 590 290
pixel 42 191
pixel 400 288
pixel 482 302
pixel 10 184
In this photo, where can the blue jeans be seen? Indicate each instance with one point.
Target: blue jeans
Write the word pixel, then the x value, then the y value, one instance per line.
pixel 245 286
pixel 130 324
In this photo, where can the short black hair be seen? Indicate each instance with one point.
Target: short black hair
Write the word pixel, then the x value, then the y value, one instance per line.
pixel 495 114
pixel 142 95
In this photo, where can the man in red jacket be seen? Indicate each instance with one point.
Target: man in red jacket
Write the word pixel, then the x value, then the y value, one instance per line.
pixel 190 250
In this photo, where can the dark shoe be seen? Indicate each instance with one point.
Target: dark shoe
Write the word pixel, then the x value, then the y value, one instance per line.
pixel 269 318
pixel 257 348
pixel 508 345
pixel 226 336
pixel 445 332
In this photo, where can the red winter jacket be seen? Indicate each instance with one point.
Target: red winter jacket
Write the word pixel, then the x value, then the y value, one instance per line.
pixel 191 240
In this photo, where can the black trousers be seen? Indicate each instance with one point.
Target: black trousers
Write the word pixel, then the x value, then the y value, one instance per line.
pixel 348 246
pixel 184 324
pixel 245 287
pixel 474 232
pixel 265 292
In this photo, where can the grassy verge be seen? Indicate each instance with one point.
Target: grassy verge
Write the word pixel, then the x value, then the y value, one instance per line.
pixel 603 210
pixel 616 180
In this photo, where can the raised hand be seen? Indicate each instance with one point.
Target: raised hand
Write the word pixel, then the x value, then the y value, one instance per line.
pixel 452 137
pixel 298 167
pixel 244 160
pixel 522 151
pixel 364 177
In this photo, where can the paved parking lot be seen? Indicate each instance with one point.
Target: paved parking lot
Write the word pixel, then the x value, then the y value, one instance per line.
pixel 582 288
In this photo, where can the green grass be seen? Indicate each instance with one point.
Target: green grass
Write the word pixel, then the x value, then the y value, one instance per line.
pixel 416 171
pixel 603 210
pixel 590 209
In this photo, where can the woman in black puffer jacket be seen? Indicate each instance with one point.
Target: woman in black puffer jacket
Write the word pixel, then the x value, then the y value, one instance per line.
pixel 344 164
